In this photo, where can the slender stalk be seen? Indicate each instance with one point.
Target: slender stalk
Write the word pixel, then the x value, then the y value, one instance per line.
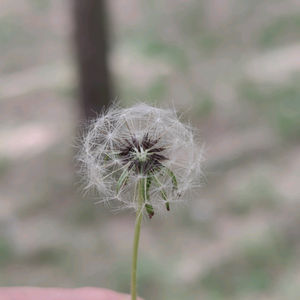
pixel 137 231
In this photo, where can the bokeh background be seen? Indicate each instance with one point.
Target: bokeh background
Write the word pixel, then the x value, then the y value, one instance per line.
pixel 236 66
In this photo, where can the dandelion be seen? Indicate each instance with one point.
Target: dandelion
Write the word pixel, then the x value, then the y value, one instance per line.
pixel 141 158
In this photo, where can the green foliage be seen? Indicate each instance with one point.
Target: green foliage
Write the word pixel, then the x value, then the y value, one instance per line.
pixel 31 208
pixel 252 93
pixel 175 54
pixel 84 212
pixel 4 166
pixel 151 277
pixel 203 105
pixel 283 29
pixel 193 25
pixel 203 229
pixel 157 90
pixel 150 44
pixel 85 215
pixel 288 117
pixel 259 194
pixel 68 92
pixel 40 5
pixel 209 43
pixel 273 33
pixel 192 21
pixel 7 254
pixel 265 96
pixel 13 33
pixel 255 269
pixel 48 256
pixel 279 105
pixel 8 30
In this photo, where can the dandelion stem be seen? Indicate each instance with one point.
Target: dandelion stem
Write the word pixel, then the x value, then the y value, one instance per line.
pixel 137 231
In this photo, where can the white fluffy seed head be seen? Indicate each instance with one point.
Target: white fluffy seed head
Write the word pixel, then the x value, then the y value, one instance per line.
pixel 173 146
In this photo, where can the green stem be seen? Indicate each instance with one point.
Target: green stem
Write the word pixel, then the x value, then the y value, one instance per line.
pixel 137 231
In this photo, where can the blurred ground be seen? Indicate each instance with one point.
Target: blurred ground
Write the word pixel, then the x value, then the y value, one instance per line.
pixel 236 65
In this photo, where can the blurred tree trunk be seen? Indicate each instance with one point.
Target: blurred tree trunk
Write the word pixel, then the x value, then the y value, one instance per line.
pixel 91 39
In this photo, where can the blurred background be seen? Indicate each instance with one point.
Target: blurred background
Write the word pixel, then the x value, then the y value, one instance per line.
pixel 234 64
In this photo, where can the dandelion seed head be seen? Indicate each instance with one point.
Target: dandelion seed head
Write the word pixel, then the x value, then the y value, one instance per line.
pixel 124 147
